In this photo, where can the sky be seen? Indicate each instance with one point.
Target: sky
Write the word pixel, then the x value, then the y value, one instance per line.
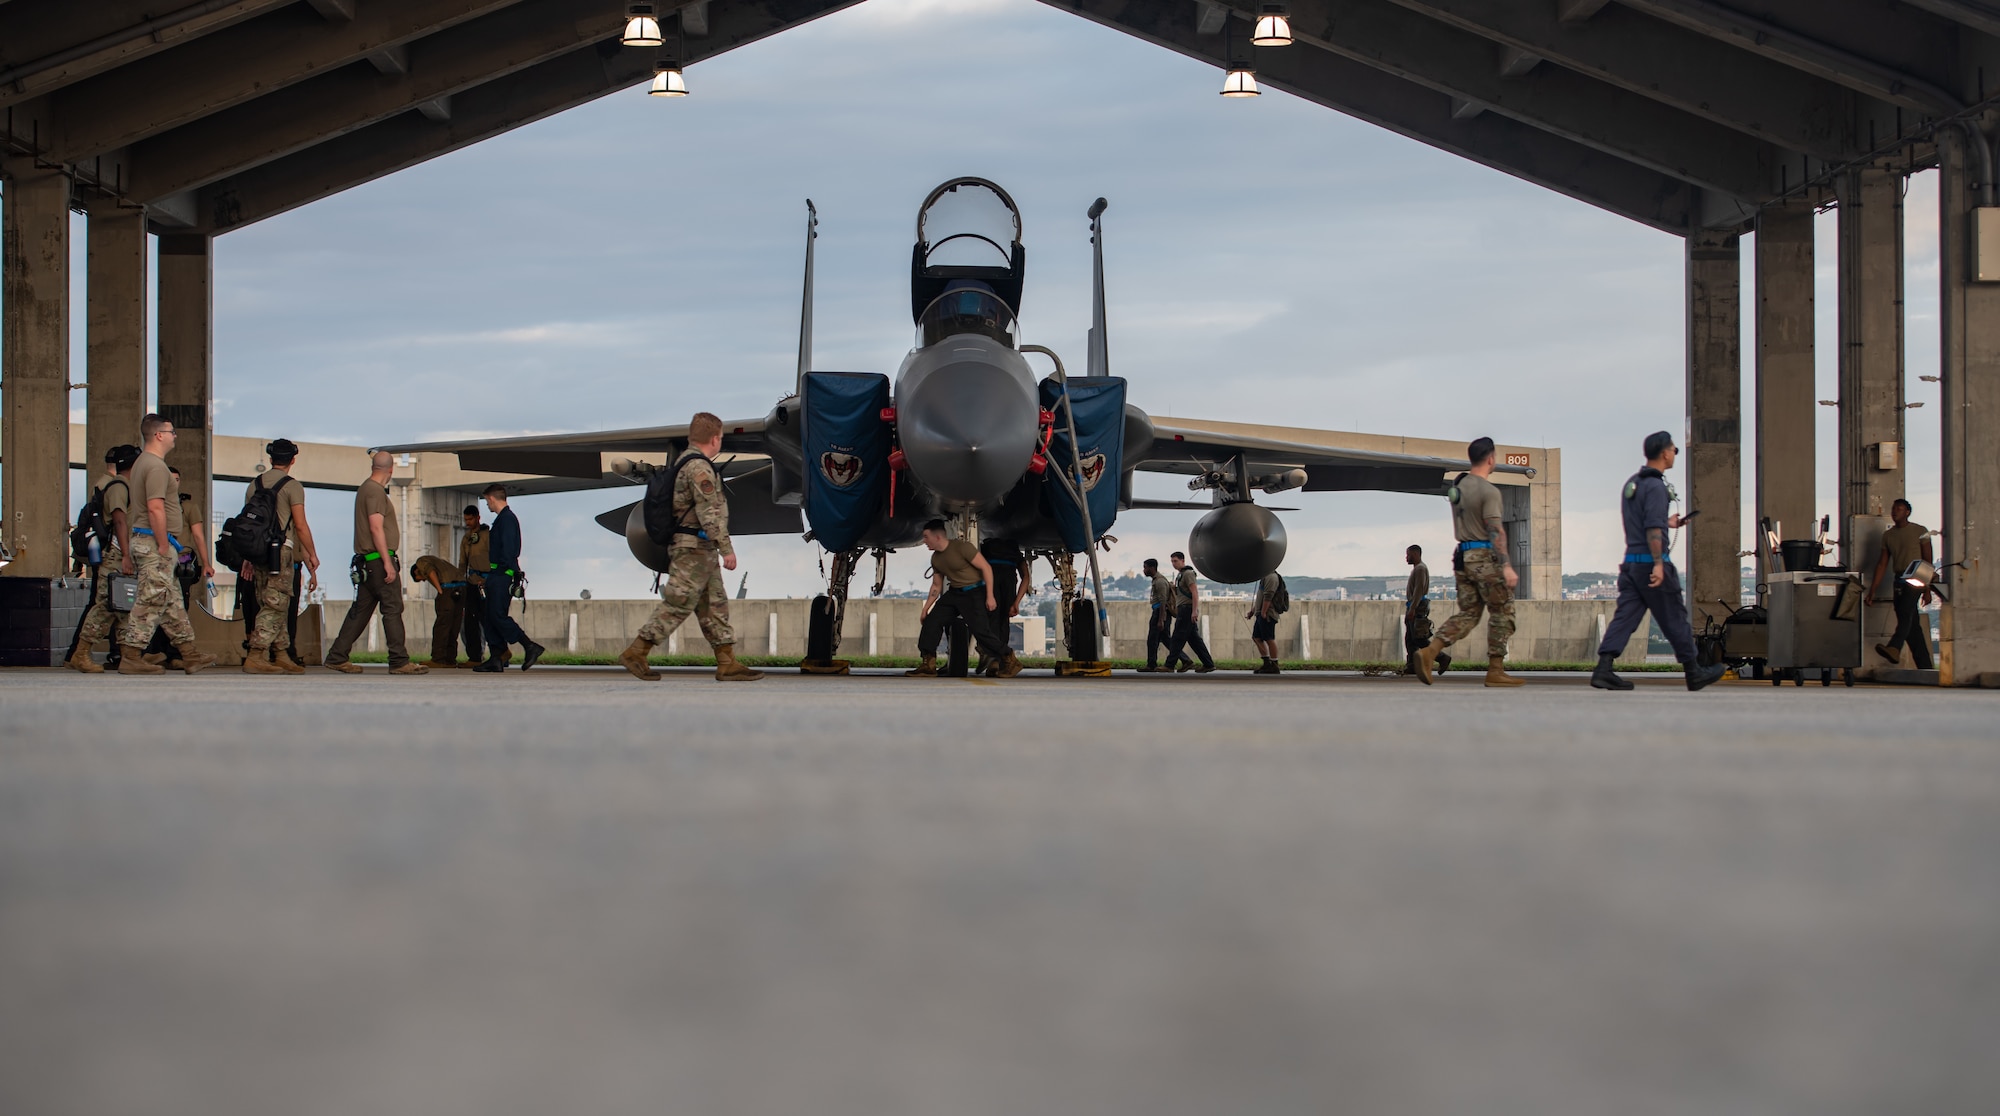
pixel 1268 260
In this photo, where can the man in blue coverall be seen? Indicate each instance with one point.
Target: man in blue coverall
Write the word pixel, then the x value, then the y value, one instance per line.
pixel 504 561
pixel 1647 581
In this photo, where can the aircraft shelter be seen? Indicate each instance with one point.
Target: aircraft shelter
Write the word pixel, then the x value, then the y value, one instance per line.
pixel 1707 119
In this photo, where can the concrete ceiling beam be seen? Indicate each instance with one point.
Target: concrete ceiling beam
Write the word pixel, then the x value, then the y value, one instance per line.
pixel 1574 106
pixel 1981 17
pixel 1692 72
pixel 1424 115
pixel 478 113
pixel 1577 11
pixel 230 67
pixel 47 44
pixel 356 96
pixel 1887 67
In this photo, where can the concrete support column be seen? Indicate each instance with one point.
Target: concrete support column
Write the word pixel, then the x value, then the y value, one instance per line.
pixel 187 358
pixel 1871 345
pixel 1969 313
pixel 34 368
pixel 1785 395
pixel 1714 457
pixel 119 260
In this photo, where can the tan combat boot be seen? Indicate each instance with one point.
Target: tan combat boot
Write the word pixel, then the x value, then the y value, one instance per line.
pixel 283 657
pixel 1011 666
pixel 79 661
pixel 925 669
pixel 1496 672
pixel 193 660
pixel 633 658
pixel 727 669
pixel 254 662
pixel 132 660
pixel 1427 658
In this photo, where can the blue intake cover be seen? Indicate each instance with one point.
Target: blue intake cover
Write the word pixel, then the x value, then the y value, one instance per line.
pixel 1100 429
pixel 846 449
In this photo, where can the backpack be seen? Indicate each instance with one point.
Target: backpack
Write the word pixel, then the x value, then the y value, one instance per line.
pixel 661 523
pixel 253 534
pixel 91 524
pixel 1281 598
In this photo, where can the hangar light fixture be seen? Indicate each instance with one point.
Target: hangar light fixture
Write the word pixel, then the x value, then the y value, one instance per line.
pixel 642 26
pixel 1274 28
pixel 1241 82
pixel 667 80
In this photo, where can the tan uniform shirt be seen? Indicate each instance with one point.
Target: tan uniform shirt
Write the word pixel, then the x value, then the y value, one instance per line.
pixel 700 502
pixel 955 563
pixel 1184 587
pixel 291 496
pixel 150 481
pixel 1904 545
pixel 472 552
pixel 1478 501
pixel 1420 584
pixel 422 568
pixel 373 499
pixel 1163 591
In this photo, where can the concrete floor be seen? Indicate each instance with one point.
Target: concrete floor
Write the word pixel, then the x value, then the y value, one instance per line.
pixel 570 893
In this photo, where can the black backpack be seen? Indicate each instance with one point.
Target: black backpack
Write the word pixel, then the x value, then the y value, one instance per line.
pixel 90 522
pixel 253 534
pixel 661 524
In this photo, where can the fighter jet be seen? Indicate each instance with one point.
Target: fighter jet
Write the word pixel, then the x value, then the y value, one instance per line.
pixel 966 431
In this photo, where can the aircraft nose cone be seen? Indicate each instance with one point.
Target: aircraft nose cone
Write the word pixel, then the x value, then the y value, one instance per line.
pixel 968 431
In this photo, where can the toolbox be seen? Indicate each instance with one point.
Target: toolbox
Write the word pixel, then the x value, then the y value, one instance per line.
pixel 1815 624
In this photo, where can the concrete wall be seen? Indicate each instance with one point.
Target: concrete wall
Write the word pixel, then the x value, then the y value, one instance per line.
pixel 1314 630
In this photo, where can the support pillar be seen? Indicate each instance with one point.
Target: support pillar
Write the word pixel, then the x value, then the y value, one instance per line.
pixel 1969 315
pixel 1784 377
pixel 187 358
pixel 34 368
pixel 1714 457
pixel 1871 346
pixel 116 330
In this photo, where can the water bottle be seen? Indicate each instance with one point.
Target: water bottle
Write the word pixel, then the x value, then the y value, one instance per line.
pixel 93 551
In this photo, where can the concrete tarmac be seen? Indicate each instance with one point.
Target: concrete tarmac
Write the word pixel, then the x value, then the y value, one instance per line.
pixel 569 892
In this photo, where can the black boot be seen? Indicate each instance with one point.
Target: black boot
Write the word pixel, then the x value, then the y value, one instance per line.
pixel 1604 678
pixel 1699 676
pixel 533 655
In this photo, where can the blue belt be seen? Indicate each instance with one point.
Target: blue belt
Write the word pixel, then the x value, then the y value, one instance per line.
pixel 148 532
pixel 969 588
pixel 1475 545
pixel 454 585
pixel 1647 558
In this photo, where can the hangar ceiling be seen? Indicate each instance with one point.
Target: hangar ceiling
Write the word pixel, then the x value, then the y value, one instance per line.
pixel 1679 114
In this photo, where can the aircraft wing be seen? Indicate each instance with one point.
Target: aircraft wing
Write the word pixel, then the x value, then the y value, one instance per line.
pixel 1190 450
pixel 580 457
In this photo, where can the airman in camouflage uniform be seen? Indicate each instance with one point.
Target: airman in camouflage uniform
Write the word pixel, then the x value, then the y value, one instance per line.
pixel 159 600
pixel 115 500
pixel 698 554
pixel 1486 579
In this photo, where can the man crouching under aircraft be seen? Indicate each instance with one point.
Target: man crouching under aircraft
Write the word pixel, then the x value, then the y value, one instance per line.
pixel 694 573
pixel 961 587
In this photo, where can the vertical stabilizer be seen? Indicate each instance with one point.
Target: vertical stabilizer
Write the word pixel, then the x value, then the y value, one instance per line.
pixel 806 301
pixel 1100 357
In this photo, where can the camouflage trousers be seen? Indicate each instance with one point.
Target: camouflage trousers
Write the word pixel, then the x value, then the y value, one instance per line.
pixel 98 620
pixel 158 606
pixel 274 607
pixel 1482 585
pixel 694 584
